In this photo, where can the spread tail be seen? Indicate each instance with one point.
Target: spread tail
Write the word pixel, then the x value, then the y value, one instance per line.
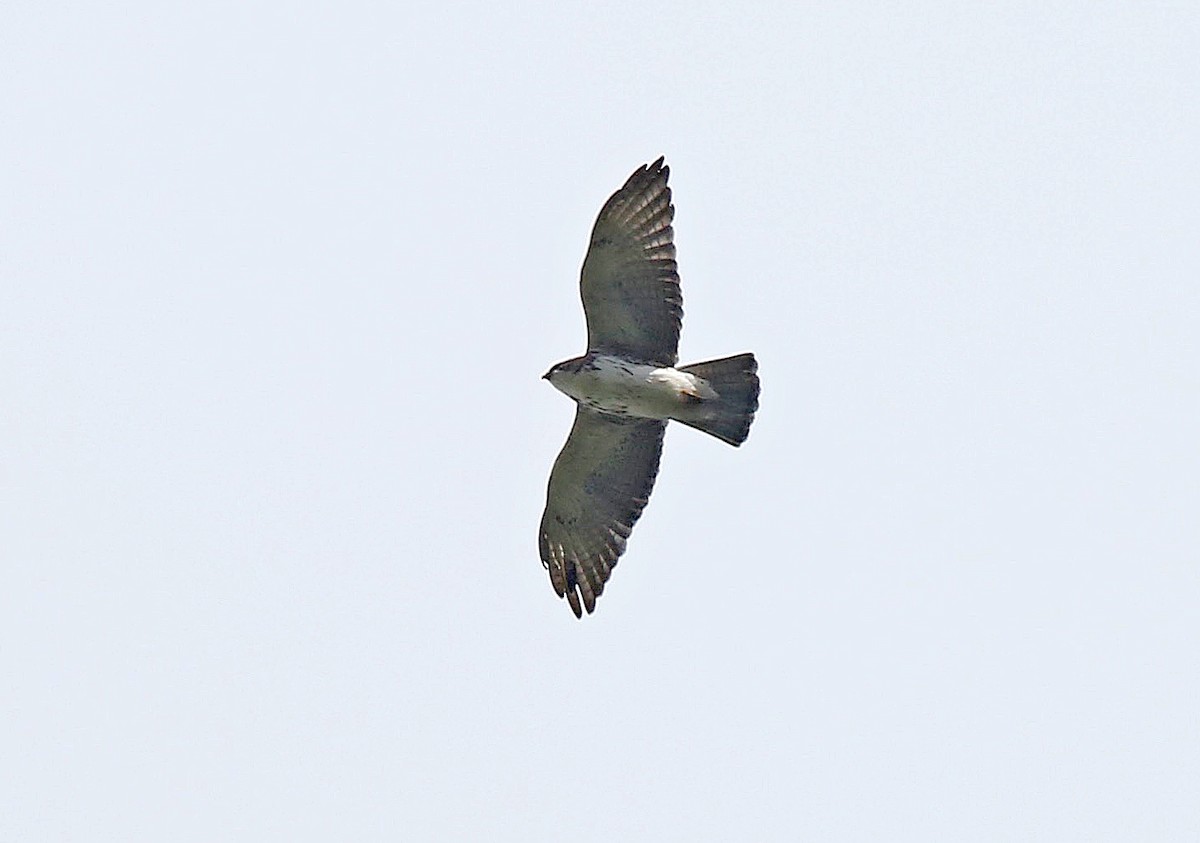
pixel 727 416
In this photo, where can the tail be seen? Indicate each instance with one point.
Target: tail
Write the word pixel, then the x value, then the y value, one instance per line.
pixel 728 415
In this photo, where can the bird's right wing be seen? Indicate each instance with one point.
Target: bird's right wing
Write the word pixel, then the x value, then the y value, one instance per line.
pixel 598 487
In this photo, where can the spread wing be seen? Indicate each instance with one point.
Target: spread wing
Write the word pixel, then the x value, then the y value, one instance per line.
pixel 598 487
pixel 630 281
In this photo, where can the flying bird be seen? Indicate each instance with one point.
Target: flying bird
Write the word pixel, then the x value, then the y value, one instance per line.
pixel 627 387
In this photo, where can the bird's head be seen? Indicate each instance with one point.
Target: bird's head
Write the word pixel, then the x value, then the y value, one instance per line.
pixel 560 371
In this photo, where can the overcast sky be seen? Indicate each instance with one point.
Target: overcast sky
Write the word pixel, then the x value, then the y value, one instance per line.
pixel 277 285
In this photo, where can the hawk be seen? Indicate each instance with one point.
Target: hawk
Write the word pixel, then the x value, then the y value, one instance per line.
pixel 627 387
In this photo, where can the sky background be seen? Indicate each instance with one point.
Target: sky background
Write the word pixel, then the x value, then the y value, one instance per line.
pixel 277 286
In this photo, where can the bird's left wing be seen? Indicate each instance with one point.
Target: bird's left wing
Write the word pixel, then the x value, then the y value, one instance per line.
pixel 598 487
pixel 630 281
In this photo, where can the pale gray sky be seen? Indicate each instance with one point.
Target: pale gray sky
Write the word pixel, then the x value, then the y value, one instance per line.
pixel 278 285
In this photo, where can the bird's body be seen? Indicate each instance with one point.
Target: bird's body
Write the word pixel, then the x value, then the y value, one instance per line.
pixel 627 387
pixel 623 387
